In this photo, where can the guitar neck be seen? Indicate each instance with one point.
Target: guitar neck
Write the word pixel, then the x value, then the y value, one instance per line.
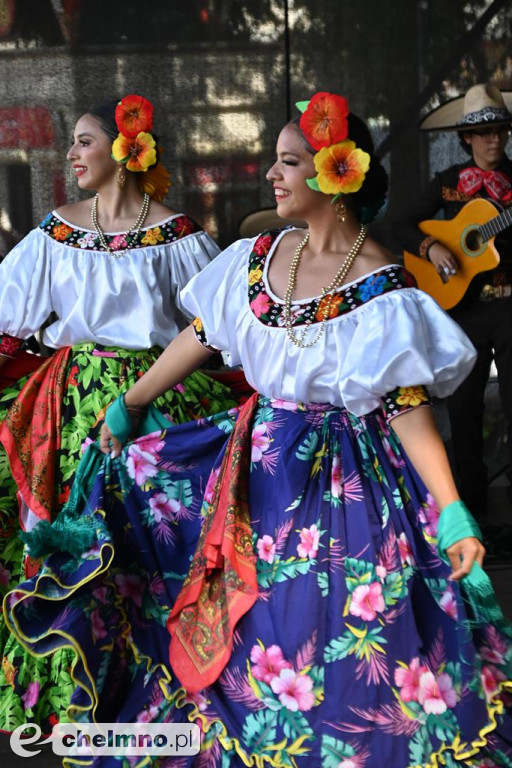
pixel 496 225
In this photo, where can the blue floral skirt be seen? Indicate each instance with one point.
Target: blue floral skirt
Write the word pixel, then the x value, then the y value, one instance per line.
pixel 358 652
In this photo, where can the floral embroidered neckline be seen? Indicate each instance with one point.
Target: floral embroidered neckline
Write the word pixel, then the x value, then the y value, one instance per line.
pixel 268 308
pixel 172 229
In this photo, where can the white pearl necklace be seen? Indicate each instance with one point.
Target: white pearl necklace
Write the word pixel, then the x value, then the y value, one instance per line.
pixel 338 279
pixel 132 232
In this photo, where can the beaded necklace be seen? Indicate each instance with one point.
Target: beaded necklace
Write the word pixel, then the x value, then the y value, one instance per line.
pixel 132 232
pixel 338 279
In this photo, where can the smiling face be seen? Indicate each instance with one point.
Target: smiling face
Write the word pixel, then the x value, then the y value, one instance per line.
pixel 288 175
pixel 90 154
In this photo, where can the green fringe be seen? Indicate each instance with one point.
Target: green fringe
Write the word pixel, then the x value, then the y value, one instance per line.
pixel 71 532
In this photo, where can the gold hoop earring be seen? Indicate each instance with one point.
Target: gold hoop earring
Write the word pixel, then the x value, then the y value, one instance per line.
pixel 341 210
pixel 120 176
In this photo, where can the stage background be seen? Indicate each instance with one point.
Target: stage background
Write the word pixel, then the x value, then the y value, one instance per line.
pixel 224 76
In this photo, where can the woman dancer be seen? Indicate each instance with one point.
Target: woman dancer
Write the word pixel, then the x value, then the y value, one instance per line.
pixel 108 271
pixel 317 624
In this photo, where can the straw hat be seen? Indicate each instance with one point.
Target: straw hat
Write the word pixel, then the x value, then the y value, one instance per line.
pixel 265 218
pixel 483 105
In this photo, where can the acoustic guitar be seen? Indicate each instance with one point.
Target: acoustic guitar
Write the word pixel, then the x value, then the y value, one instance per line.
pixel 470 237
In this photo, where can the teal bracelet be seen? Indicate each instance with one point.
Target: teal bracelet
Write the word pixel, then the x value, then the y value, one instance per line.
pixel 455 523
pixel 118 420
pixel 120 424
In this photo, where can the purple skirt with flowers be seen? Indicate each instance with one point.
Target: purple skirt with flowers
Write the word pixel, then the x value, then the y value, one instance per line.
pixel 359 652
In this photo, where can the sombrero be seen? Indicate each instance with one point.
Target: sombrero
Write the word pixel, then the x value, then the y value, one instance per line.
pixel 483 105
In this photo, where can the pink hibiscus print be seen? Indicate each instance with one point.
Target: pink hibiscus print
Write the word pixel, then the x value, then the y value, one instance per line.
pixel 98 625
pixel 140 464
pixel 287 405
pixel 267 663
pixel 294 690
pixel 31 695
pixel 495 647
pixel 260 442
pixel 336 475
pixel 409 680
pixel 163 508
pixel 309 541
pixel 491 678
pixel 101 595
pixel 260 305
pixel 381 572
pixel 367 600
pixel 266 547
pixel 449 604
pixel 151 443
pixel 180 388
pixel 405 550
pixel 436 694
pixel 147 715
pixel 130 586
pixel 86 443
pixel 429 516
pixel 210 485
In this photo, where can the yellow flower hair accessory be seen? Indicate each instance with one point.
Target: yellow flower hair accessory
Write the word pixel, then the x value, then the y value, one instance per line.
pixel 135 145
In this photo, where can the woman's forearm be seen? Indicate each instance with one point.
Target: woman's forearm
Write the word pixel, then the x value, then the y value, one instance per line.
pixel 183 356
pixel 422 442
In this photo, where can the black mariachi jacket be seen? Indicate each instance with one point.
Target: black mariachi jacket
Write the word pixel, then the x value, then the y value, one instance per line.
pixel 442 194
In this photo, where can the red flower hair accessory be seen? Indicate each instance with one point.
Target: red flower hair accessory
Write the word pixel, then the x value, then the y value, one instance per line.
pixel 324 120
pixel 134 114
pixel 341 167
pixel 135 146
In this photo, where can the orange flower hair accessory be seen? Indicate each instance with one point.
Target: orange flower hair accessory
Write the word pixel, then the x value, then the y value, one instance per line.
pixel 341 167
pixel 136 147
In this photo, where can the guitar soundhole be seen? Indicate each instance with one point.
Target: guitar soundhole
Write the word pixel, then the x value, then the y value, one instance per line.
pixel 473 240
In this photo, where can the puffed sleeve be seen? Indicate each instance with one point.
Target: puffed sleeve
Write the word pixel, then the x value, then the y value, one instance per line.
pixel 216 297
pixel 25 295
pixel 188 257
pixel 402 339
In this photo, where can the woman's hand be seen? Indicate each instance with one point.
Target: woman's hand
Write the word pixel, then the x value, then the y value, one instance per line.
pixel 463 554
pixel 109 443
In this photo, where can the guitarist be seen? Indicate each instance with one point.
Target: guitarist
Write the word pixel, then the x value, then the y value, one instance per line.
pixel 483 120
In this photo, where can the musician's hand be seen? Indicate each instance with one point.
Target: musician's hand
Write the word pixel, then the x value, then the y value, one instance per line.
pixel 442 259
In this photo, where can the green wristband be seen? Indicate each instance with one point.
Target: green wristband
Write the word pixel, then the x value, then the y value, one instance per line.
pixel 118 420
pixel 455 523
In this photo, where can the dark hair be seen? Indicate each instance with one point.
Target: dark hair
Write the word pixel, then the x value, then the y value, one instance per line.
pixel 371 197
pixel 105 114
pixel 466 147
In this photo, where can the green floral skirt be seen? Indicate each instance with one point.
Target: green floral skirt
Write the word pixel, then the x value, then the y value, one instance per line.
pixel 37 689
